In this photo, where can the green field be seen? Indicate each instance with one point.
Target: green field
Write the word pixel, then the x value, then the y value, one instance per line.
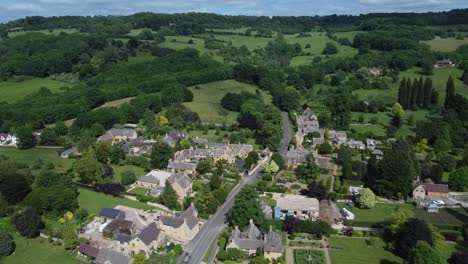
pixel 116 103
pixel 377 130
pixel 13 91
pixel 207 100
pixel 449 216
pixel 94 202
pixel 38 250
pixel 376 216
pixel 139 191
pixel 250 42
pixel 136 32
pixel 31 156
pixel 139 172
pixel 439 80
pixel 347 34
pixel 445 44
pixel 181 42
pixel 356 251
pixel 301 255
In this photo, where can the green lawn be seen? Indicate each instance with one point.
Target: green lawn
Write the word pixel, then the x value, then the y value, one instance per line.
pixel 207 100
pixel 31 156
pixel 375 129
pixel 31 251
pixel 376 216
pixel 301 255
pixel 250 42
pixel 181 42
pixel 449 216
pixel 94 202
pixel 13 91
pixel 347 34
pixel 439 80
pixel 210 135
pixel 116 103
pixel 136 32
pixel 445 44
pixel 139 191
pixel 139 172
pixel 356 250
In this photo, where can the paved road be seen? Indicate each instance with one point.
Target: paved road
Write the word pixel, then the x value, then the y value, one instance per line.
pixel 200 244
pixel 286 134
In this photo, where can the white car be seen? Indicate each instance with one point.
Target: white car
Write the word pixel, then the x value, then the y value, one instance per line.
pixel 438 202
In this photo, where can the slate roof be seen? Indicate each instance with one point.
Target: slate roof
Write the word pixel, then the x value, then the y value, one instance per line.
pixel 123 238
pixel 189 216
pixel 118 223
pixel 70 151
pixel 107 256
pixel 175 135
pixel 149 234
pixel 377 152
pixel 198 140
pixel 273 242
pixel 181 179
pixel 251 231
pixel 122 132
pixel 247 240
pixel 88 250
pixel 149 179
pixel 159 175
pixel 112 213
pixel 441 188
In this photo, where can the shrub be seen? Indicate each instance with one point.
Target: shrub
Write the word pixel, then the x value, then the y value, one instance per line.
pixel 366 199
pixel 7 244
pixel 295 186
pixel 357 233
pixel 113 189
pixel 128 177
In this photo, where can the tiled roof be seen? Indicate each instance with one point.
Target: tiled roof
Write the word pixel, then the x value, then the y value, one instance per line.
pixel 123 238
pixel 273 243
pixel 149 179
pixel 118 223
pixel 441 188
pixel 88 250
pixel 112 213
pixel 149 234
pixel 181 179
pixel 108 256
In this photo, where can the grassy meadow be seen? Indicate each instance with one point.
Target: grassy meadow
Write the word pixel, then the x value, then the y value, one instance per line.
pixel 94 202
pixel 378 215
pixel 32 156
pixel 445 44
pixel 207 100
pixel 181 42
pixel 13 91
pixel 45 31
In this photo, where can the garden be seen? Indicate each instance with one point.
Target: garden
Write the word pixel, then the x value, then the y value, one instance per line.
pixel 305 256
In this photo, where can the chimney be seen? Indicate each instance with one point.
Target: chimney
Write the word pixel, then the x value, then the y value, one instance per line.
pixel 236 227
pixel 271 228
pixel 251 222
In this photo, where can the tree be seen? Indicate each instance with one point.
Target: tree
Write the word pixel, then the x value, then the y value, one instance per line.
pixel 7 244
pixel 409 234
pixel 117 154
pixel 103 151
pixel 425 254
pixel 70 239
pixel 309 170
pixel 330 49
pixel 114 189
pixel 185 144
pixel 448 162
pixel 271 167
pixel 399 167
pixel 14 185
pixel 397 114
pixel 449 93
pixel 278 159
pixel 161 153
pixel 366 198
pixel 28 223
pixel 442 146
pixel 251 159
pixel 169 197
pixel 458 179
pixel 127 177
pixel 215 181
pixel 60 128
pixel 427 92
pixel 48 137
pixel 139 259
pixel 325 148
pixel 347 171
pixel 340 108
pixel 163 121
pixel 458 258
pixel 25 137
pixel 204 166
pixel 291 224
pixel 291 99
pixel 316 190
pixel 88 169
pixel 246 207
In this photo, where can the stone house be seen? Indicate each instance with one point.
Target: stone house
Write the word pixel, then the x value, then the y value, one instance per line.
pixel 427 189
pixel 110 214
pixel 182 184
pixel 87 251
pixel 300 206
pixel 307 123
pixel 148 240
pixel 444 63
pixel 356 144
pixel 118 135
pixel 181 227
pixel 70 152
pixel 187 167
pixel 153 179
pixel 117 227
pixel 108 256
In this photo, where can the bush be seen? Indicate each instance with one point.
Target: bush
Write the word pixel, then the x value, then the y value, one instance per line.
pixel 448 162
pixel 7 244
pixel 113 189
pixel 366 199
pixel 128 177
pixel 295 186
pixel 357 233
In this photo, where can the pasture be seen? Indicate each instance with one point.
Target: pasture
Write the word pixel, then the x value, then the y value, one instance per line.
pixel 207 100
pixel 445 44
pixel 348 250
pixel 13 91
pixel 181 42
pixel 34 155
pixel 45 31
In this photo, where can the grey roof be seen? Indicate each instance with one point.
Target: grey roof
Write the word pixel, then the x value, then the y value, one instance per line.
pixel 181 179
pixel 175 135
pixel 149 179
pixel 123 238
pixel 181 165
pixel 112 213
pixel 215 145
pixel 88 250
pixel 251 231
pixel 106 137
pixel 273 243
pixel 198 140
pixel 243 241
pixel 107 256
pixel 157 191
pixel 122 132
pixel 377 152
pixel 70 151
pixel 149 234
pixel 189 216
pixel 118 223
pixel 169 140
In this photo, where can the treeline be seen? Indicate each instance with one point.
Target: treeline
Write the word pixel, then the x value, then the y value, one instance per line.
pixel 417 93
pixel 195 23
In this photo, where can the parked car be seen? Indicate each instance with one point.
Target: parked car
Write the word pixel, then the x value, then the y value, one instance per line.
pixel 438 202
pixel 187 259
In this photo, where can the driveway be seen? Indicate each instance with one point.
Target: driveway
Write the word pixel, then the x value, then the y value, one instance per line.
pixel 286 134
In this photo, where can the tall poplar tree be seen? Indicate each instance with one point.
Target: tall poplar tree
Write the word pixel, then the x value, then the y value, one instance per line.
pixel 449 93
pixel 427 92
pixel 420 99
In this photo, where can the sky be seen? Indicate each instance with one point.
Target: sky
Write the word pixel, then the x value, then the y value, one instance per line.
pixel 13 9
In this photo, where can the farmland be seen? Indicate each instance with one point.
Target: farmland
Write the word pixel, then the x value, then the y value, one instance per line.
pixel 207 98
pixel 13 91
pixel 445 44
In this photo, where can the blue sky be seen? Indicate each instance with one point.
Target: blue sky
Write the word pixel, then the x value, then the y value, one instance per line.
pixel 13 9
